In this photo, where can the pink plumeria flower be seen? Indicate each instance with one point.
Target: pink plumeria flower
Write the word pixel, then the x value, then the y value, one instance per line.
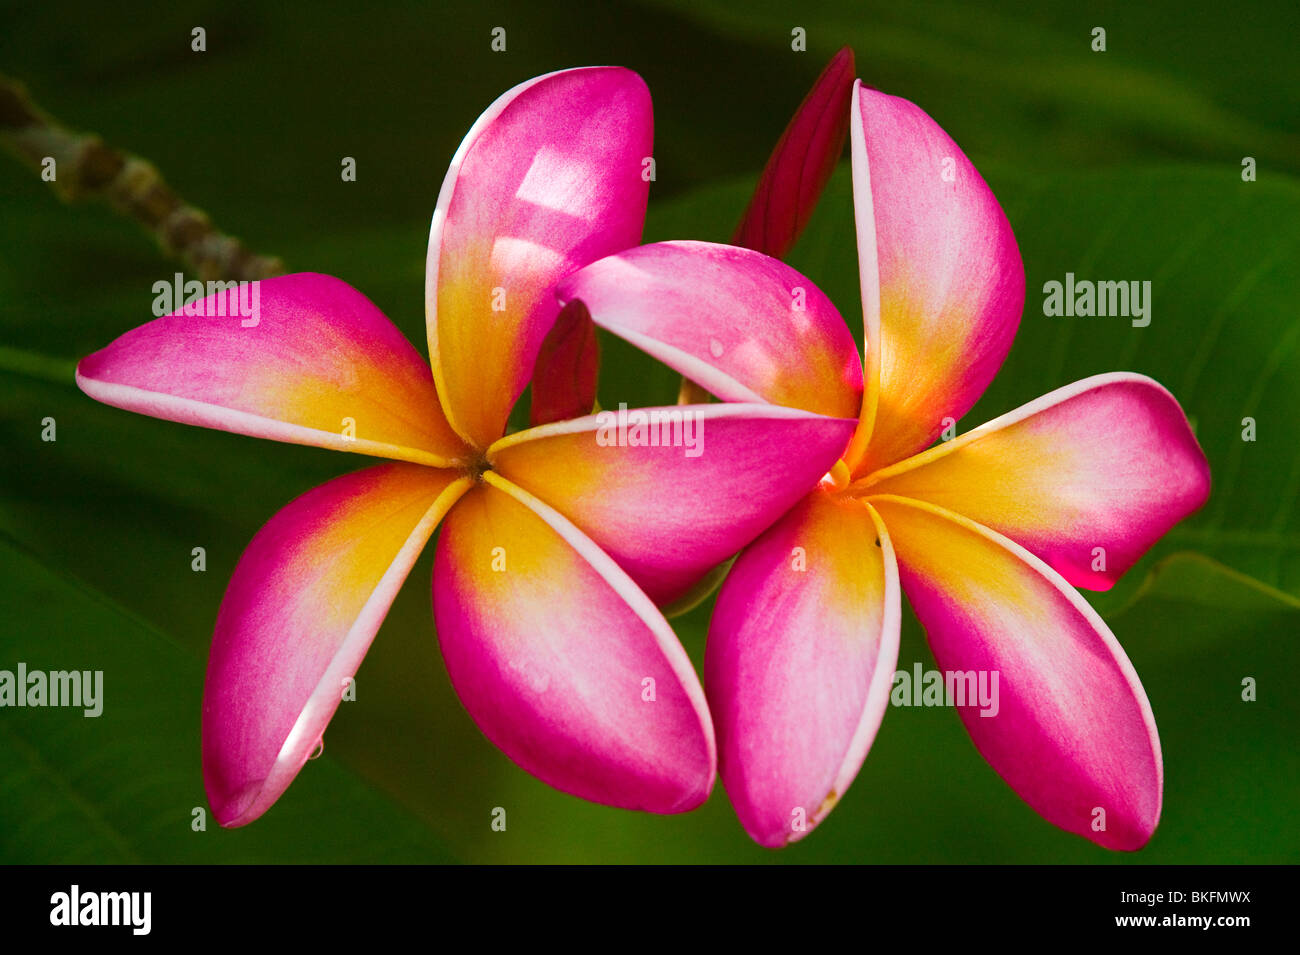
pixel 558 653
pixel 989 533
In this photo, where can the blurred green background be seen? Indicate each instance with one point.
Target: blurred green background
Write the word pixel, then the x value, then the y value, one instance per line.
pixel 1117 165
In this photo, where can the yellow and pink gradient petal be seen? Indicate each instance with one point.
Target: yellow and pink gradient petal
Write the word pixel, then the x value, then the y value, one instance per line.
pixel 943 285
pixel 301 610
pixel 740 324
pixel 549 179
pixel 322 366
pixel 562 661
pixel 672 511
pixel 1087 477
pixel 1072 733
pixel 801 653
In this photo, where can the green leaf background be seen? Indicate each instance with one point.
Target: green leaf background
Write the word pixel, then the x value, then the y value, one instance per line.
pixel 1122 165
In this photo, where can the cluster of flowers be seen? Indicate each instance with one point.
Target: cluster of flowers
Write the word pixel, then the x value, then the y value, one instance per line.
pixel 558 552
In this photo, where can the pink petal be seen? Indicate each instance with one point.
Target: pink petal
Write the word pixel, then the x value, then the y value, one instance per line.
pixel 548 180
pixel 1069 726
pixel 316 356
pixel 802 162
pixel 800 658
pixel 669 513
pixel 740 324
pixel 1087 477
pixel 564 379
pixel 562 662
pixel 942 281
pixel 301 610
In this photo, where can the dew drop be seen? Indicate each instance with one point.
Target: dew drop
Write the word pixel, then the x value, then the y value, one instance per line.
pixel 320 748
pixel 715 348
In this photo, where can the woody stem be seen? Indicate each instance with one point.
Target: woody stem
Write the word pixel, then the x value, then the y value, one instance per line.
pixel 82 166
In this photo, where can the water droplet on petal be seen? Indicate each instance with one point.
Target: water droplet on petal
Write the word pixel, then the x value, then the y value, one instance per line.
pixel 320 748
pixel 715 348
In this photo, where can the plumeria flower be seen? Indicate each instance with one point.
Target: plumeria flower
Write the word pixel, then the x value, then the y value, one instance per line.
pixel 989 533
pixel 555 545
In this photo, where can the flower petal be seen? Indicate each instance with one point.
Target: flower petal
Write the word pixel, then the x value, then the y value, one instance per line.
pixel 671 511
pixel 301 610
pixel 564 379
pixel 1087 477
pixel 942 281
pixel 315 358
pixel 801 654
pixel 562 662
pixel 804 158
pixel 547 180
pixel 1068 725
pixel 744 326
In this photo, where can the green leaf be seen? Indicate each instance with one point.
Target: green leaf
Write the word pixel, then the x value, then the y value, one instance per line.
pixel 123 786
pixel 1021 78
pixel 1191 578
